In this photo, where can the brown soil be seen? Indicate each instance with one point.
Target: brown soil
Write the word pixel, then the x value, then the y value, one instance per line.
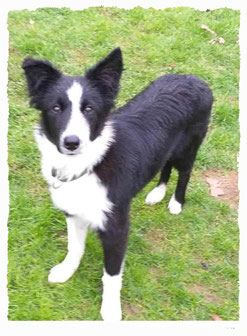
pixel 156 238
pixel 203 290
pixel 131 310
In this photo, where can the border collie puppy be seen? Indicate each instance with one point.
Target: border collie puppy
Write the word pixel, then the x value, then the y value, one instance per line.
pixel 95 161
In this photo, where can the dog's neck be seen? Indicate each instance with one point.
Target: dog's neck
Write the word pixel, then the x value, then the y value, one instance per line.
pixel 59 168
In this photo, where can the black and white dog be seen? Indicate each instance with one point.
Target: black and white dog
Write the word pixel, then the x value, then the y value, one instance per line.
pixel 95 161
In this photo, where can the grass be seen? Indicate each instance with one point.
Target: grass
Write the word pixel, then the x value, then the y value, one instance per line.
pixel 164 278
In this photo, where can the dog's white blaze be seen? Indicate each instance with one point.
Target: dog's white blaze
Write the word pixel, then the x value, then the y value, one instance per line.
pixel 156 195
pixel 75 93
pixel 77 232
pixel 111 298
pixel 77 124
pixel 174 206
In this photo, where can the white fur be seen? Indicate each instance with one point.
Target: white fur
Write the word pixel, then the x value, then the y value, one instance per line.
pixel 77 124
pixel 111 299
pixel 156 195
pixel 70 165
pixel 77 232
pixel 174 206
pixel 86 196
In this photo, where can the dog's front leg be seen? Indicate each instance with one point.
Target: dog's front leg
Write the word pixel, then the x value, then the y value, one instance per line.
pixel 77 232
pixel 111 298
pixel 114 241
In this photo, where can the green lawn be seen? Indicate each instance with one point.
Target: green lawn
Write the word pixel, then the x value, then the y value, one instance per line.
pixel 164 278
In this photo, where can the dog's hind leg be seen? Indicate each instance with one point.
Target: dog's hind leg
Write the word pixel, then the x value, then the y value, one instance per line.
pixel 158 193
pixel 177 201
pixel 184 166
pixel 77 232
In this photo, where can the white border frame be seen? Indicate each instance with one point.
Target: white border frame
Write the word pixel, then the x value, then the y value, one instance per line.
pixel 185 327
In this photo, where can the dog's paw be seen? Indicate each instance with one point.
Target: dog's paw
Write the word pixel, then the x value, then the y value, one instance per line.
pixel 174 206
pixel 60 273
pixel 111 311
pixel 156 195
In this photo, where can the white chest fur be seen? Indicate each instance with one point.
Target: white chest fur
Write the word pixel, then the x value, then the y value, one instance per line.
pixel 85 197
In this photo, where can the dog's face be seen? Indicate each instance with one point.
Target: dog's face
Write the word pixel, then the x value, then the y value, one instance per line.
pixel 74 109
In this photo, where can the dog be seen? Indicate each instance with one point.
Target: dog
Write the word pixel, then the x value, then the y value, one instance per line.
pixel 95 161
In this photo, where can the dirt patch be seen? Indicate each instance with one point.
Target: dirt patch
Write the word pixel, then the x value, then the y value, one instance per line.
pixel 79 57
pixel 228 287
pixel 37 190
pixel 169 66
pixel 156 272
pixel 203 290
pixel 227 183
pixel 156 238
pixel 232 100
pixel 131 311
pixel 13 51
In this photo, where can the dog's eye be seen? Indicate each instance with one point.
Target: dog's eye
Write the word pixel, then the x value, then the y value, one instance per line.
pixel 56 109
pixel 88 109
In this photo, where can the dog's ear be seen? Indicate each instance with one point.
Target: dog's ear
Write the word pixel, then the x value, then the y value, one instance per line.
pixel 39 73
pixel 105 75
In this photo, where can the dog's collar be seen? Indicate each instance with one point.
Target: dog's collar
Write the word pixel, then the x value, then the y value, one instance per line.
pixel 58 182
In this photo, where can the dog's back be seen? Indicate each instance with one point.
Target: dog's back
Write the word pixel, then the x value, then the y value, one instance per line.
pixel 174 100
pixel 165 123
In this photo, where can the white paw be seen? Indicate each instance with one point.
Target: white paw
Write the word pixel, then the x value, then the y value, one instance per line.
pixel 111 311
pixel 60 273
pixel 174 206
pixel 156 195
pixel 111 298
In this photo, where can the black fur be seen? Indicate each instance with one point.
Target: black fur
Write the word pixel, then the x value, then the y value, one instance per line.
pixel 159 129
pixel 47 87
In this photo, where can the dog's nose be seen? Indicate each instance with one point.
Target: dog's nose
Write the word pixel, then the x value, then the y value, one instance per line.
pixel 71 142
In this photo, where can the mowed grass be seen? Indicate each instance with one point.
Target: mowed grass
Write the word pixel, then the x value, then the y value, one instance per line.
pixel 177 267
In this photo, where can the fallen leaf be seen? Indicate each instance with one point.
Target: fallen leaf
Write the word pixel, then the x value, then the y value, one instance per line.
pixel 215 189
pixel 221 40
pixel 213 41
pixel 228 182
pixel 216 317
pixel 170 66
pixel 216 38
pixel 203 26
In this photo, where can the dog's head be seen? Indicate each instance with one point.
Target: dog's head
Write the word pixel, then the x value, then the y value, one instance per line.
pixel 74 108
